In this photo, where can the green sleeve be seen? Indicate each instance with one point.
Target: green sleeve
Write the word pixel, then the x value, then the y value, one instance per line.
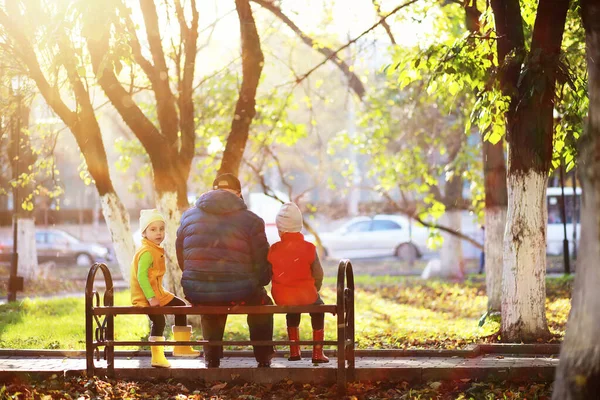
pixel 144 264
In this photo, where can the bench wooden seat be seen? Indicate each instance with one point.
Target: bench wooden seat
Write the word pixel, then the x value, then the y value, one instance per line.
pixel 100 313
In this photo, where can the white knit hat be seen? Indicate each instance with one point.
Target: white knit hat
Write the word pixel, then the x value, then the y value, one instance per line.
pixel 149 216
pixel 289 218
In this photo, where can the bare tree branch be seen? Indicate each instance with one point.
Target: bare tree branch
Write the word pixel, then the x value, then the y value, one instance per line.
pixel 136 48
pixel 132 115
pixel 416 217
pixel 84 125
pixel 217 72
pixel 394 11
pixel 280 171
pixel 165 101
pixel 354 81
pixel 385 25
pixel 268 191
pixel 252 64
pixel 185 100
pixel 27 54
pixel 211 28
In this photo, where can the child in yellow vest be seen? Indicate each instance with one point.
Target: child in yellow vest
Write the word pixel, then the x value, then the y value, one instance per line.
pixel 147 272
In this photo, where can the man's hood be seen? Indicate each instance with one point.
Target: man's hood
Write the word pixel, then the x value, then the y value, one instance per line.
pixel 220 202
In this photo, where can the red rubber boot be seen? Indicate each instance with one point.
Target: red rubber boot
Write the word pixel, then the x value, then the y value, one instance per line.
pixel 294 334
pixel 317 356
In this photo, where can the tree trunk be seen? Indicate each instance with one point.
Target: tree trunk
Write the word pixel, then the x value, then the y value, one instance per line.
pixel 167 204
pixel 529 135
pixel 495 223
pixel 523 280
pixel 496 198
pixel 509 30
pixel 451 255
pixel 22 154
pixel 578 372
pixel 117 221
pixel 170 154
pixel 23 159
pixel 452 264
pixel 28 263
pixel 170 148
pixel 494 172
pixel 252 64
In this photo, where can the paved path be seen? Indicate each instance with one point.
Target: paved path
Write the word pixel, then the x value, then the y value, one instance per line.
pixel 415 369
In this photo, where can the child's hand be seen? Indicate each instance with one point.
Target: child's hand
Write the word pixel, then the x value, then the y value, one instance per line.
pixel 154 302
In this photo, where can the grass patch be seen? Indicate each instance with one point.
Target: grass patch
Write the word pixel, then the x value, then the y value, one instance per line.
pixel 58 324
pixel 391 312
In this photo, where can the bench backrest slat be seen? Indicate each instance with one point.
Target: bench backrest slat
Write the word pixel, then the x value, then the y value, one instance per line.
pixel 212 310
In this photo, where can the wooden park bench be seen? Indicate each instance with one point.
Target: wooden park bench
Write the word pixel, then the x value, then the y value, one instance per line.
pixel 100 313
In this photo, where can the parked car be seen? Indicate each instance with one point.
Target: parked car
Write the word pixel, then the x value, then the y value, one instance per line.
pixel 62 247
pixel 378 236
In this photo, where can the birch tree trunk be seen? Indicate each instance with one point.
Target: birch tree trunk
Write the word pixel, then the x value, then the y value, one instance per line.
pixel 524 275
pixel 494 171
pixel 495 223
pixel 245 108
pixel 496 199
pixel 511 40
pixel 451 255
pixel 170 143
pixel 117 221
pixel 167 204
pixel 578 372
pixel 22 159
pixel 450 265
pixel 529 137
pixel 28 263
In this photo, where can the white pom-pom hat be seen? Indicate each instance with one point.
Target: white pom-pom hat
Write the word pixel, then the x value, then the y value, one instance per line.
pixel 289 218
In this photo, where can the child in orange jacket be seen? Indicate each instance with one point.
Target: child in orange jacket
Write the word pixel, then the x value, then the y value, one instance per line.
pixel 147 271
pixel 297 278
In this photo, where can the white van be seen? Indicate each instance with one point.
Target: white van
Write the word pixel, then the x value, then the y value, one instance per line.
pixel 555 233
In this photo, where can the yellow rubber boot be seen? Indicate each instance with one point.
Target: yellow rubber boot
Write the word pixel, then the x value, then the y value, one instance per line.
pixel 158 353
pixel 183 334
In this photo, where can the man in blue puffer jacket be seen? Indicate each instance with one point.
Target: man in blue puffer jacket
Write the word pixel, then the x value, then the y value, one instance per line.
pixel 222 249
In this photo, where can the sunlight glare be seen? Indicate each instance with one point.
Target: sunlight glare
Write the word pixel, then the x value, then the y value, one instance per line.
pixel 215 145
